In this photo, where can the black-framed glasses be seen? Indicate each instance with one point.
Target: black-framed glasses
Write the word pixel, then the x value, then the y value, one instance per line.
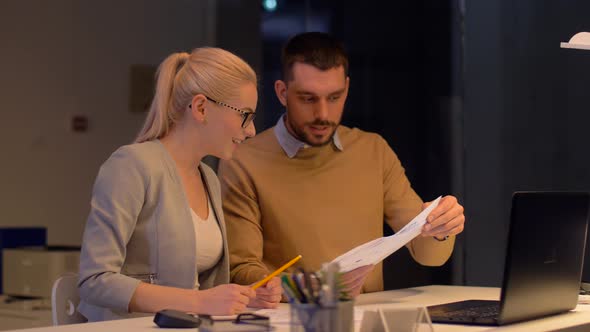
pixel 253 319
pixel 263 322
pixel 248 114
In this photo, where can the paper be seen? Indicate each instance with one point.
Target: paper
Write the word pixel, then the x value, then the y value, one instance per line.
pixel 282 315
pixel 377 250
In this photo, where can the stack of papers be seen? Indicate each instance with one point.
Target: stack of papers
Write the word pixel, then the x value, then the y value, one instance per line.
pixel 377 250
pixel 282 315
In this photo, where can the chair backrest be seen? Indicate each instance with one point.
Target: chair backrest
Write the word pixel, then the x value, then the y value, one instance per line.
pixel 65 299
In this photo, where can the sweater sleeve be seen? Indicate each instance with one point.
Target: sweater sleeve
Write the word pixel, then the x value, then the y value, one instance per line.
pixel 117 199
pixel 242 219
pixel 401 204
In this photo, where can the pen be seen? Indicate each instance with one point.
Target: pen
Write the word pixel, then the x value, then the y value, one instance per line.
pixel 330 289
pixel 297 280
pixel 288 290
pixel 288 281
pixel 276 272
pixel 311 288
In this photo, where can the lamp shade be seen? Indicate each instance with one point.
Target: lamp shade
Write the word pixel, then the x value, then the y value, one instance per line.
pixel 580 40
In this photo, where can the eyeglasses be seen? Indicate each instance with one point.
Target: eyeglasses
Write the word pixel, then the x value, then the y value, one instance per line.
pixel 248 115
pixel 263 322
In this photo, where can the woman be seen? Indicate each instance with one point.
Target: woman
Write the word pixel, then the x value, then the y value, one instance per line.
pixel 155 236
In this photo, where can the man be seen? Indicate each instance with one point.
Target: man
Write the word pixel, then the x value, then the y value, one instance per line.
pixel 313 187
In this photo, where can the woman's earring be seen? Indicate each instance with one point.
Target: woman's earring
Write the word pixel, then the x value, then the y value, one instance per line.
pixel 202 110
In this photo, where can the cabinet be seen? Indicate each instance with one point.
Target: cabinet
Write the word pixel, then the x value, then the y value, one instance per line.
pixel 23 314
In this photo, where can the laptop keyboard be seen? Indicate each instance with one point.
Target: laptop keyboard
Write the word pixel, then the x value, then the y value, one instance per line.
pixel 484 312
pixel 476 311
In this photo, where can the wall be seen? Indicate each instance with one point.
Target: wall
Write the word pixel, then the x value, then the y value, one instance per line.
pixel 237 30
pixel 64 57
pixel 526 116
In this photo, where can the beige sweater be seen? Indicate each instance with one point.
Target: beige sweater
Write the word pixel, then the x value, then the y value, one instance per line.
pixel 320 204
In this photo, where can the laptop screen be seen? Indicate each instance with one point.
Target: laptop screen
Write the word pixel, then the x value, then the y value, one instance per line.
pixel 586 270
pixel 544 255
pixel 543 263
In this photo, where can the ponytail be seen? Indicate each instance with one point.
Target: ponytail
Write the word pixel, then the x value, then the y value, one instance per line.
pixel 214 72
pixel 160 116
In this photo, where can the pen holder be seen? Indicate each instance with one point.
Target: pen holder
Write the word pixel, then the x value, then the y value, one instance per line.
pixel 311 317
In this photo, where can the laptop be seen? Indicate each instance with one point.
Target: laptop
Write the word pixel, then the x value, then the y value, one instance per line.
pixel 543 265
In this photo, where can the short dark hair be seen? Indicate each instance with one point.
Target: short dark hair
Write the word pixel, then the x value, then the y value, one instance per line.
pixel 317 49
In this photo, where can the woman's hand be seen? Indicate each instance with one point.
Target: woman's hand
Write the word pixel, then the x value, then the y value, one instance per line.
pixel 224 300
pixel 268 296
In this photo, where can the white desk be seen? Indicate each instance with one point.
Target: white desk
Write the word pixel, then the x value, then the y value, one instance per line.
pixel 577 320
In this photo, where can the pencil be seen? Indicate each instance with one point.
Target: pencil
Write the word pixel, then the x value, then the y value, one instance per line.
pixel 275 273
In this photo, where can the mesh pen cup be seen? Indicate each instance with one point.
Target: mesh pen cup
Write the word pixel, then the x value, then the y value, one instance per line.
pixel 311 317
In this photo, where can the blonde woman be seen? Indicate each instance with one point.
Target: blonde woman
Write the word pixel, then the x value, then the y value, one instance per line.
pixel 155 236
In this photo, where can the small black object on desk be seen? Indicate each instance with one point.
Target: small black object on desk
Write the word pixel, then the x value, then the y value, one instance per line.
pixel 169 318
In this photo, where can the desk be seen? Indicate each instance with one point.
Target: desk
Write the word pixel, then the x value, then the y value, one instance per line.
pixel 577 320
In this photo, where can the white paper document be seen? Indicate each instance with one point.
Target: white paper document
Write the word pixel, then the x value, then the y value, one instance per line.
pixel 377 250
pixel 282 315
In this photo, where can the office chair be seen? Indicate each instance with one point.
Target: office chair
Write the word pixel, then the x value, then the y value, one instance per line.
pixel 65 299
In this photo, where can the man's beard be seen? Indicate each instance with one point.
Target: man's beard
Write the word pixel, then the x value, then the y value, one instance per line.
pixel 304 137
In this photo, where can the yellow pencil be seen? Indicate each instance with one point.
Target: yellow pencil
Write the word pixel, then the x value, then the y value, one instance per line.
pixel 275 273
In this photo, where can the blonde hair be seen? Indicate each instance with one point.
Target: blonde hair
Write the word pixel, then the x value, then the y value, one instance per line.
pixel 214 72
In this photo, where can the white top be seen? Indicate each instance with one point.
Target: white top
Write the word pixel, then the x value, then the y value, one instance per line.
pixel 209 242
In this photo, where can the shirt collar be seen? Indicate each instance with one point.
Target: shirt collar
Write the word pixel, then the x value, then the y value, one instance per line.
pixel 292 145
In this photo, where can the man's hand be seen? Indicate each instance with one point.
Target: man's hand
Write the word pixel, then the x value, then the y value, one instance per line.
pixel 445 220
pixel 352 281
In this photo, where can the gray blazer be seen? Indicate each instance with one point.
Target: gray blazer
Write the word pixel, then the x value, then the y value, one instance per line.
pixel 140 228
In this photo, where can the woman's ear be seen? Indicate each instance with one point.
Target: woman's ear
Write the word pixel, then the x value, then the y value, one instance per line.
pixel 281 91
pixel 198 108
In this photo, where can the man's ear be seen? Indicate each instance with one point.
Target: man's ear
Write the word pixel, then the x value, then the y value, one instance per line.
pixel 281 91
pixel 347 86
